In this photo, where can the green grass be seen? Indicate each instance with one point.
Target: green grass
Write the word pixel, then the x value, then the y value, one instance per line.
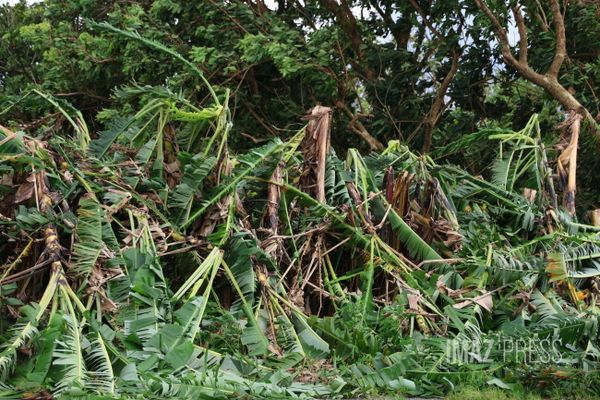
pixel 472 393
pixel 469 393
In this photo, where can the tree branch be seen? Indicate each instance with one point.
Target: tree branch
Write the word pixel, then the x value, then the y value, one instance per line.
pixel 549 80
pixel 560 52
pixel 522 33
pixel 347 22
pixel 499 29
pixel 426 20
pixel 357 127
pixel 346 19
pixel 522 67
pixel 387 18
pixel 438 105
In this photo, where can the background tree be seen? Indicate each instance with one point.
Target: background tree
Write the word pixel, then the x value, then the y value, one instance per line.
pixel 549 80
pixel 422 72
pixel 175 223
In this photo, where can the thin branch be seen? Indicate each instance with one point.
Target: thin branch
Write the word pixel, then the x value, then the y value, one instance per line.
pixel 522 33
pixel 426 20
pixel 357 127
pixel 438 105
pixel 258 118
pixel 560 52
pixel 347 22
pixel 541 15
pixel 498 28
pixel 387 18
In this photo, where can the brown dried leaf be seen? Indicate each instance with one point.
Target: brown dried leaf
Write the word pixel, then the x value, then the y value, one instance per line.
pixel 441 286
pixel 413 301
pixel 24 192
pixel 485 301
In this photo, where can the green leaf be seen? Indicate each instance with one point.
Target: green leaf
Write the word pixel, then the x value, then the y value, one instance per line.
pixel 180 355
pixel 88 245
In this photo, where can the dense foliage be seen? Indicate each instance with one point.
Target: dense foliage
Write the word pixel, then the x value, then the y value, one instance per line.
pixel 175 224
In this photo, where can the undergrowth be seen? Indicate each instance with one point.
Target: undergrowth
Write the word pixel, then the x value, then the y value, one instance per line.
pixel 148 261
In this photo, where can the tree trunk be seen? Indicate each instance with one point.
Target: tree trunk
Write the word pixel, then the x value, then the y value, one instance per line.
pixel 438 105
pixel 315 147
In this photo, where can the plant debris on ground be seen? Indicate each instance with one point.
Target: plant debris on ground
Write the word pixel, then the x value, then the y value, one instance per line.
pixel 150 261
